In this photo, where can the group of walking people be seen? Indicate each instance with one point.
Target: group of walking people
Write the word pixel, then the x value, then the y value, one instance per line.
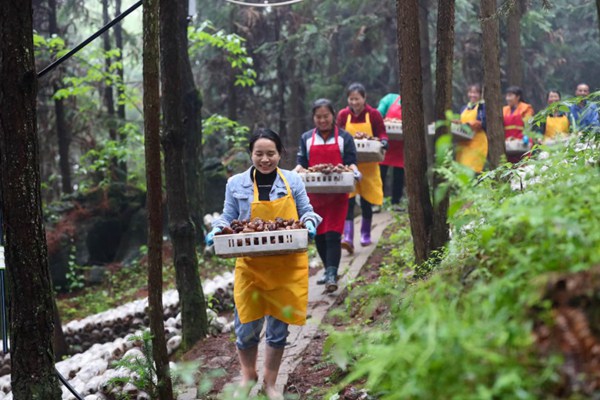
pixel 516 115
pixel 274 289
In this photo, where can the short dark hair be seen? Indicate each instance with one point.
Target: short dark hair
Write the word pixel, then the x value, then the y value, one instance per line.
pixel 266 133
pixel 517 91
pixel 553 91
pixel 476 86
pixel 356 87
pixel 322 103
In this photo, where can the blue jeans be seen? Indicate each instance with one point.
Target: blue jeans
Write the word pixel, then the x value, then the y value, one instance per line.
pixel 248 335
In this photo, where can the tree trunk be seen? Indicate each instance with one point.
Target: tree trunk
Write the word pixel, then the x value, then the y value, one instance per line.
pixel 598 10
pixel 428 96
pixel 62 128
pixel 491 80
pixel 411 87
pixel 109 101
pixel 30 307
pixel 120 87
pixel 513 44
pixel 232 96
pixel 154 196
pixel 443 103
pixel 181 227
pixel 192 129
pixel 281 82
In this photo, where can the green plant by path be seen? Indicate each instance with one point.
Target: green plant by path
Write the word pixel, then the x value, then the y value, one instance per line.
pixel 463 329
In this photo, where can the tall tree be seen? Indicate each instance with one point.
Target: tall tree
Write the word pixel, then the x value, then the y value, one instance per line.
pixel 31 316
pixel 120 84
pixel 514 54
pixel 426 62
pixel 109 99
pixel 281 77
pixel 181 227
pixel 443 103
pixel 428 98
pixel 154 195
pixel 62 127
pixel 415 151
pixel 491 79
pixel 598 12
pixel 192 128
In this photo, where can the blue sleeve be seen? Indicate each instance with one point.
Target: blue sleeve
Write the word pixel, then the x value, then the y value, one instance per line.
pixel 462 110
pixel 594 118
pixel 349 157
pixel 302 156
pixel 303 206
pixel 481 116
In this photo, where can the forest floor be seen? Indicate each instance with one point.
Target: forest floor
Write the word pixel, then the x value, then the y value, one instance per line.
pixel 307 371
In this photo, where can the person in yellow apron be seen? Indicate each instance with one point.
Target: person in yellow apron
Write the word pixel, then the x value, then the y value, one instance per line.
pixel 556 123
pixel 361 117
pixel 271 288
pixel 473 152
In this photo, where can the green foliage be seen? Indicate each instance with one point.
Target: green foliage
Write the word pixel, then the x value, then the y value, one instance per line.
pixel 143 370
pixel 235 134
pixel 466 331
pixel 231 44
pixel 74 275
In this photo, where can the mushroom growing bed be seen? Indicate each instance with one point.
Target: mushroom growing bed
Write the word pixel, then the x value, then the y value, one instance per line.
pixel 104 338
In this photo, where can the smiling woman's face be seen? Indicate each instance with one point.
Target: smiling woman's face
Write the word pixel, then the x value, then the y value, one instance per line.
pixel 356 102
pixel 323 119
pixel 265 156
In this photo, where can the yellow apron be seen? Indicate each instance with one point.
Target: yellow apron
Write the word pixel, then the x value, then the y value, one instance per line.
pixel 556 125
pixel 472 153
pixel 370 187
pixel 272 285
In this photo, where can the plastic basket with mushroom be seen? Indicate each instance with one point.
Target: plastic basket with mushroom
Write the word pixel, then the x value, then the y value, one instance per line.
pixel 317 182
pixel 516 147
pixel 394 130
pixel 369 150
pixel 461 131
pixel 267 243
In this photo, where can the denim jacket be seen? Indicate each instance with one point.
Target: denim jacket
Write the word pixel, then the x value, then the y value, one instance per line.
pixel 239 195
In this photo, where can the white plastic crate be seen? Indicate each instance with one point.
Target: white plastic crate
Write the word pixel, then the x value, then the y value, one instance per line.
pixel 368 150
pixel 460 131
pixel 516 147
pixel 261 243
pixel 317 182
pixel 431 129
pixel 394 130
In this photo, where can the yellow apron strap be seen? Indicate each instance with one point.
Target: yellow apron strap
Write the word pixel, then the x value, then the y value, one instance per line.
pixel 348 120
pixel 287 186
pixel 513 127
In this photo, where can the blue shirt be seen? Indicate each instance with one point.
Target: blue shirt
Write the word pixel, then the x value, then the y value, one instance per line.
pixel 586 115
pixel 239 195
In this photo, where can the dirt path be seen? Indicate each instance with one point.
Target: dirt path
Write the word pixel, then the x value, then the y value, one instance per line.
pixel 319 303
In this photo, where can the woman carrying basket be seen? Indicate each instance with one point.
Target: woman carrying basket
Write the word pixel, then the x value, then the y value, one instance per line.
pixel 271 288
pixel 361 117
pixel 328 144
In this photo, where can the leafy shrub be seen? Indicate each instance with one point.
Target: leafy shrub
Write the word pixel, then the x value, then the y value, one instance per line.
pixel 466 331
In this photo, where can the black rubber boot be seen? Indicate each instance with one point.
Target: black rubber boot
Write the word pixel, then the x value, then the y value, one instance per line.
pixel 331 279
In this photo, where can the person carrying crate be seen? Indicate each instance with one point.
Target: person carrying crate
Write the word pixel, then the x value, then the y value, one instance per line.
pixel 328 144
pixel 361 117
pixel 390 106
pixel 473 152
pixel 272 288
